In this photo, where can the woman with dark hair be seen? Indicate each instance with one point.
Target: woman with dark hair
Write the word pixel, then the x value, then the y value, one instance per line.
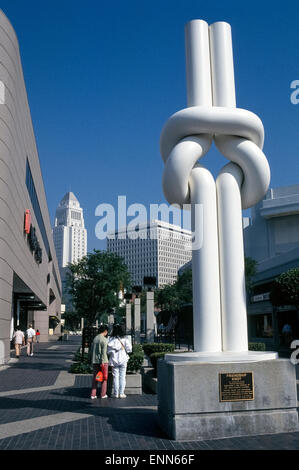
pixel 118 348
pixel 99 361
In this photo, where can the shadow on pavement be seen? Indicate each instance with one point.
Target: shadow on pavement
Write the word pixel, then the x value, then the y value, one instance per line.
pixel 131 420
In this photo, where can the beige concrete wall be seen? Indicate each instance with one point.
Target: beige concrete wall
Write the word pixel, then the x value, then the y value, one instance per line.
pixel 17 143
pixel 6 279
pixel 41 323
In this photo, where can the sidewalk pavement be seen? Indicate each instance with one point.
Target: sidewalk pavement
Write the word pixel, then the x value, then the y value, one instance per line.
pixel 43 407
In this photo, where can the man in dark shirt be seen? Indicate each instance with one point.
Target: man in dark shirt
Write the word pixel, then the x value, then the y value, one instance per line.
pixel 99 360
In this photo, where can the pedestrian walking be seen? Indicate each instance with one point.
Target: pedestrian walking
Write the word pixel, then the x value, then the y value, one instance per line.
pixel 287 334
pixel 37 336
pixel 19 340
pixel 118 349
pixel 99 360
pixel 30 337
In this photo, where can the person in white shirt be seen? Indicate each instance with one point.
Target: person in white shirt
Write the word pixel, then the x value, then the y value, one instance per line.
pixel 30 335
pixel 118 349
pixel 19 341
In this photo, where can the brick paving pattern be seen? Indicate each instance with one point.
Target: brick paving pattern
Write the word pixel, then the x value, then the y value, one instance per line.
pixel 38 371
pixel 82 424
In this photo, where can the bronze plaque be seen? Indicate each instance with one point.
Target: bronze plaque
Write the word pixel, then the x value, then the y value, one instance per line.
pixel 236 386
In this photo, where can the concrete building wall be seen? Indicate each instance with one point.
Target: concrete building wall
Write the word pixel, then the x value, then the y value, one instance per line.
pixel 17 146
pixel 272 239
pixel 264 320
pixel 274 227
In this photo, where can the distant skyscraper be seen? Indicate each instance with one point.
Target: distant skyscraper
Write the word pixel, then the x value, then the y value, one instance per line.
pixel 69 233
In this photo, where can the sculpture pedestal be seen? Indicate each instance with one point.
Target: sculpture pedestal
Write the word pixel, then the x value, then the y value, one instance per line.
pixel 189 397
pixel 245 356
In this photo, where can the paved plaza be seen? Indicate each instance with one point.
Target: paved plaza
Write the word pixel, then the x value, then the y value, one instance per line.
pixel 43 407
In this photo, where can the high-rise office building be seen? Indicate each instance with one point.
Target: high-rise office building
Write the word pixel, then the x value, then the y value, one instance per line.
pixel 157 250
pixel 69 232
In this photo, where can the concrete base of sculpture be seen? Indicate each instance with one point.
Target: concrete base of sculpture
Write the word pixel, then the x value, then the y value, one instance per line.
pixel 245 356
pixel 189 403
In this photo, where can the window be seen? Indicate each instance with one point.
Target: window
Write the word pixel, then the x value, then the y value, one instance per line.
pixel 75 215
pixel 36 208
pixel 263 326
pixel 56 280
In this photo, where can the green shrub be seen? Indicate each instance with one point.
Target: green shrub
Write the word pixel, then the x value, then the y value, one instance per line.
pixel 136 358
pixel 80 368
pixel 256 347
pixel 154 360
pixel 78 357
pixel 151 348
pixel 137 348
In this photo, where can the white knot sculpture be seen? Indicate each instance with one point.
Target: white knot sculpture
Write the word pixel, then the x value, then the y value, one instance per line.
pixel 219 297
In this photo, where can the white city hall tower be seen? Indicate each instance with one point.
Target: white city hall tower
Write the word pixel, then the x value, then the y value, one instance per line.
pixel 69 233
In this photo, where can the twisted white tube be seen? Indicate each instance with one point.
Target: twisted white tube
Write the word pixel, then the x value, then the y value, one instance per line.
pixel 205 264
pixel 185 139
pixel 222 124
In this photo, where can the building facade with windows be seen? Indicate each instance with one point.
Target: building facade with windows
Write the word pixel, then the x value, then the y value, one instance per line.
pixel 272 239
pixel 30 285
pixel 158 249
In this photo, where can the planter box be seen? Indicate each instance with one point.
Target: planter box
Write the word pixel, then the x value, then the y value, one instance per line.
pixel 133 384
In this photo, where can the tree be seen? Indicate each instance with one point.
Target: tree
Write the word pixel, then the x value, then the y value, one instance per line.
pixel 94 283
pixel 167 297
pixel 184 286
pixel 72 320
pixel 173 296
pixel 285 289
pixel 120 314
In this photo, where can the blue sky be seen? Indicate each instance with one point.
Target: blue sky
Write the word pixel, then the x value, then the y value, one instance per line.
pixel 103 77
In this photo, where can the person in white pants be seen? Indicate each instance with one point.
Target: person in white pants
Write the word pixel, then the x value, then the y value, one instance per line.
pixel 30 335
pixel 118 349
pixel 19 340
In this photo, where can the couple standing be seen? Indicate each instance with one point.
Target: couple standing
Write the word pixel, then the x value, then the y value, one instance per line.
pixel 117 348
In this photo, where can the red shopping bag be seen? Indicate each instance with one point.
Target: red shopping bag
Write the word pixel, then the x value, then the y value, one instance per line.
pixel 99 377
